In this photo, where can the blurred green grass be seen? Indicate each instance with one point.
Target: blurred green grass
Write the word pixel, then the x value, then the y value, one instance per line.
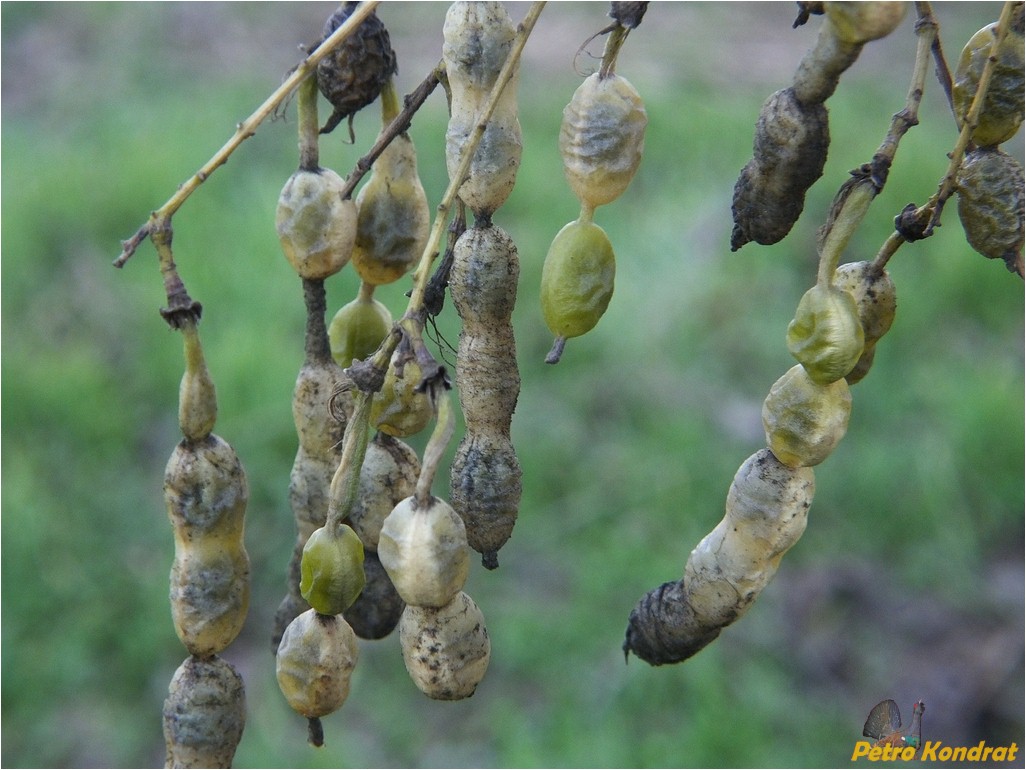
pixel 628 446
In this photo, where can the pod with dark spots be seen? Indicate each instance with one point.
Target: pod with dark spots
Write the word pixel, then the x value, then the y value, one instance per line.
pixel 990 205
pixel 204 713
pixel 825 335
pixel 399 408
pixel 332 574
pixel 316 226
pixel 789 152
pixel 388 476
pixel 1002 111
pixel 876 301
pixel 357 329
pixel 804 421
pixel 446 650
pixel 376 611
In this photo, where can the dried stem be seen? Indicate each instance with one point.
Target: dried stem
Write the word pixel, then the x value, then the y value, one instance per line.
pixel 246 129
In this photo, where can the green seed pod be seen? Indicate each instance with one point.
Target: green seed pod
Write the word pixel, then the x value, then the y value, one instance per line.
pixel 315 662
pixel 398 409
pixel 204 713
pixel 376 612
pixel 602 138
pixel 353 74
pixel 446 650
pixel 424 551
pixel 387 477
pixel 316 227
pixel 332 570
pixel 577 279
pixel 825 335
pixel 876 299
pixel 789 152
pixel 804 420
pixel 394 218
pixel 1002 111
pixel 861 22
pixel 357 329
pixel 990 205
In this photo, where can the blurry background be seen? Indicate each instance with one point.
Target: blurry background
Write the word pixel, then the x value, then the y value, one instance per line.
pixel 907 584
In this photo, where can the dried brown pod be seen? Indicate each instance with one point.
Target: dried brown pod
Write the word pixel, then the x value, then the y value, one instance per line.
pixel 990 205
pixel 376 612
pixel 352 76
pixel 789 152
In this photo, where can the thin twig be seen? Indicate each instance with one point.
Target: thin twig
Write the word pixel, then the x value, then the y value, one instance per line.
pixel 246 129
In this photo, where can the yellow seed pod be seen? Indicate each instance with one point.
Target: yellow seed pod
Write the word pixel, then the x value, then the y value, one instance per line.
pixel 204 714
pixel 316 227
pixel 825 335
pixel 990 205
pixel 314 663
pixel 577 279
pixel 601 138
pixel 876 299
pixel 357 329
pixel 446 650
pixel 318 433
pixel 424 551
pixel 332 574
pixel 398 409
pixel 861 22
pixel 804 420
pixel 388 476
pixel 197 397
pixel 394 218
pixel 1002 111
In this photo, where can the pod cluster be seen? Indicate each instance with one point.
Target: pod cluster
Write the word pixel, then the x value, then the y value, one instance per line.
pixel 792 134
pixel 485 476
pixel 206 492
pixel 990 182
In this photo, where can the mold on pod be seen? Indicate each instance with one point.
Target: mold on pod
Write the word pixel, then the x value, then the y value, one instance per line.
pixel 424 551
pixel 804 420
pixel 357 329
pixel 789 152
pixel 376 611
pixel 990 205
pixel 332 574
pixel 577 279
pixel 315 662
pixel 399 409
pixel 387 477
pixel 205 489
pixel 861 22
pixel 209 593
pixel 602 138
pixel 446 650
pixel 1002 111
pixel 766 513
pixel 876 300
pixel 477 37
pixel 825 335
pixel 353 74
pixel 316 227
pixel 204 714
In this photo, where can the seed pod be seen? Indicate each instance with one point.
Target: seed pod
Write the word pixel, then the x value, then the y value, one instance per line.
pixel 393 220
pixel 861 22
pixel 353 74
pixel 577 279
pixel 197 397
pixel 766 512
pixel 204 713
pixel 315 661
pixel 825 335
pixel 820 69
pixel 446 650
pixel 424 551
pixel 388 476
pixel 399 409
pixel 316 227
pixel 377 609
pixel 332 570
pixel 602 138
pixel 357 329
pixel 789 152
pixel 206 492
pixel 876 300
pixel 804 420
pixel 1002 111
pixel 990 205
pixel 478 37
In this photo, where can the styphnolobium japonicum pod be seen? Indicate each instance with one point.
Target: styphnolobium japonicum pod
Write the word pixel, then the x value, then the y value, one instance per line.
pixel 204 713
pixel 803 419
pixel 316 226
pixel 876 303
pixel 990 205
pixel 826 336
